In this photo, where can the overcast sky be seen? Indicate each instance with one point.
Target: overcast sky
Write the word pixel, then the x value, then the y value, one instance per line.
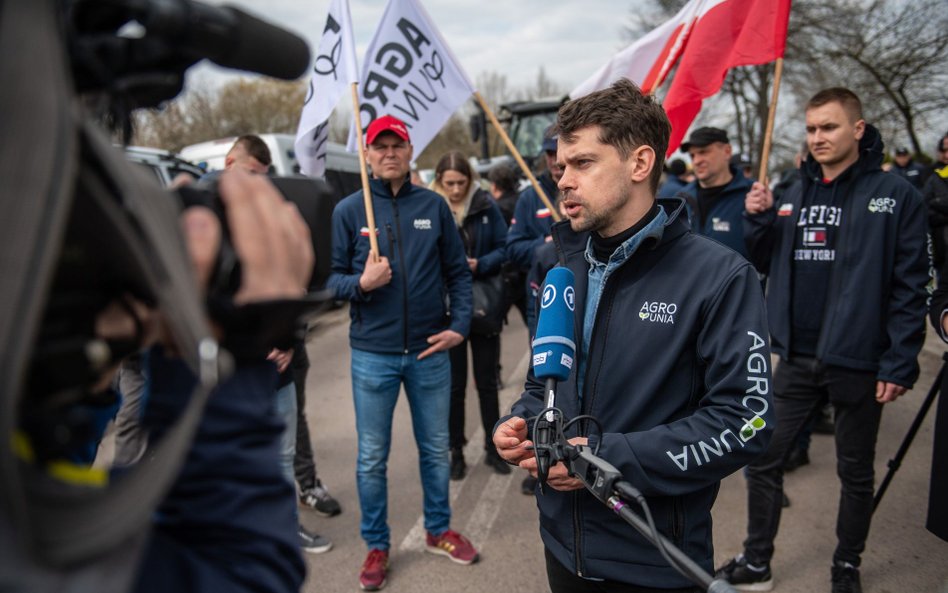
pixel 570 39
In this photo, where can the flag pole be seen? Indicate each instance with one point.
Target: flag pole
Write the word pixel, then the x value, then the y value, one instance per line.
pixel 768 135
pixel 366 190
pixel 516 155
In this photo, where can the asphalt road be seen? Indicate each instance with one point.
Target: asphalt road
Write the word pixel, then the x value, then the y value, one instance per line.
pixel 901 555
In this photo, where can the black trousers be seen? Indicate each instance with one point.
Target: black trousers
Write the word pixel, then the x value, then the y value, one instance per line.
pixel 485 351
pixel 563 581
pixel 800 386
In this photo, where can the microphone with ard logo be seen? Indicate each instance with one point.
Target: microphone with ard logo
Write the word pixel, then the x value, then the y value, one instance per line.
pixel 554 351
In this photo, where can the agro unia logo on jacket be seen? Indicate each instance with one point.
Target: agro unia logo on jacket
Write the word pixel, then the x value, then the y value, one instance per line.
pixel 658 312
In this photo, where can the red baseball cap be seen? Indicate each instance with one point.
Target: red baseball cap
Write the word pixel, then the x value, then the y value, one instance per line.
pixel 386 123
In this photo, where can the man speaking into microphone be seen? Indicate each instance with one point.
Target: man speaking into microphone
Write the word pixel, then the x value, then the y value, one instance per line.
pixel 671 356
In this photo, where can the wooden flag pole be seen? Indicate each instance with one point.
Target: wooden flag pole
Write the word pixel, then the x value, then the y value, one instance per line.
pixel 768 135
pixel 366 190
pixel 516 155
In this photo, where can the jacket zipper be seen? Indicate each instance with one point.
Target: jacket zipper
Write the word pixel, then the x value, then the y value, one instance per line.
pixel 677 521
pixel 401 263
pixel 577 540
pixel 835 280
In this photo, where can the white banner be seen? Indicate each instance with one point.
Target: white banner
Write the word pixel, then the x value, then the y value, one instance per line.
pixel 334 70
pixel 409 72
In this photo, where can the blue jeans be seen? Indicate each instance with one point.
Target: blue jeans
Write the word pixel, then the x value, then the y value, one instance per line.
pixel 376 380
pixel 284 407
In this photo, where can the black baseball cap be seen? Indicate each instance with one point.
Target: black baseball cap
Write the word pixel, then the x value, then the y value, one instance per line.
pixel 704 137
pixel 902 151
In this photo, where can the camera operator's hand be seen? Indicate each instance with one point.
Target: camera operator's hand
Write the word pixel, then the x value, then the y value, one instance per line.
pixel 377 273
pixel 558 477
pixel 758 199
pixel 270 238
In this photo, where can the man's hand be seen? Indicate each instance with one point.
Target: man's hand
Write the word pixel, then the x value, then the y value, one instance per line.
pixel 510 440
pixel 282 358
pixel 558 478
pixel 472 263
pixel 442 341
pixel 377 273
pixel 758 199
pixel 888 392
pixel 270 238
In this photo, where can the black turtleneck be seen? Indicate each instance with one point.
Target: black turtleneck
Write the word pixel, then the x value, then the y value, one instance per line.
pixel 604 247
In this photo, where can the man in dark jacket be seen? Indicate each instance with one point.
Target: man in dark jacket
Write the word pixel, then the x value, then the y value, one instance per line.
pixel 671 352
pixel 716 196
pixel 906 168
pixel 847 256
pixel 401 332
pixel 532 220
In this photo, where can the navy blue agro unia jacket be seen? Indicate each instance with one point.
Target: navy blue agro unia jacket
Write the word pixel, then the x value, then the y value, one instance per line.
pixel 678 373
pixel 874 315
pixel 417 234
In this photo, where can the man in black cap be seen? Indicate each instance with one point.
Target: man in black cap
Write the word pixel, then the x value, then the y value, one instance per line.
pixel 716 197
pixel 907 168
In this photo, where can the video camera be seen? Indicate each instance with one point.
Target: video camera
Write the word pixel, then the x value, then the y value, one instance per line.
pixel 84 228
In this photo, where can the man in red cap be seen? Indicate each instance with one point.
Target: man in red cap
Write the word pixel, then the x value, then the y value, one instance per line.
pixel 402 328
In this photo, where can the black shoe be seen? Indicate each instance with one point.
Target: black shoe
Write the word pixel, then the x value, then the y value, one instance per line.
pixel 313 543
pixel 319 499
pixel 743 577
pixel 494 460
pixel 529 485
pixel 845 578
pixel 797 458
pixel 458 467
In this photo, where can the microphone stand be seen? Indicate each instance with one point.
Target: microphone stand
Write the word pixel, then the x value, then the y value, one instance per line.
pixel 605 483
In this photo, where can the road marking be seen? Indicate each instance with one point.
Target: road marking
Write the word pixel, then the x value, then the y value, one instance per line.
pixel 488 504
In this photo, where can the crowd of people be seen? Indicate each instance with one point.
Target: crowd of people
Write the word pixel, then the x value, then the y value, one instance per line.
pixel 711 270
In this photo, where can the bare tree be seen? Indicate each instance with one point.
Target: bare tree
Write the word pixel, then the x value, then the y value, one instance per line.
pixel 890 53
pixel 242 106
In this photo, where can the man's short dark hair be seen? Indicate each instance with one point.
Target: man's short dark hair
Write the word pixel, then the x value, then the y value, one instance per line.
pixel 503 176
pixel 837 94
pixel 256 148
pixel 626 118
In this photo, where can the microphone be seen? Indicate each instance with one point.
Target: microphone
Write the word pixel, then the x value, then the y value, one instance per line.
pixel 228 37
pixel 554 351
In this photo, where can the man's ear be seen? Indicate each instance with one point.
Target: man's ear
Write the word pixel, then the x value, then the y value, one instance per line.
pixel 860 128
pixel 641 162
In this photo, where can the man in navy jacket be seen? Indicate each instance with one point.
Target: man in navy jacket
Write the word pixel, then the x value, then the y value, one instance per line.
pixel 401 331
pixel 847 258
pixel 671 355
pixel 716 196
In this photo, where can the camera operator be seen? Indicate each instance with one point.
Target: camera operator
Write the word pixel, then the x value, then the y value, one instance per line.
pixel 673 358
pixel 98 268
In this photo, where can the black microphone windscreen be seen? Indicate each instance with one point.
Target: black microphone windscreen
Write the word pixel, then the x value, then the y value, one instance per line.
pixel 264 48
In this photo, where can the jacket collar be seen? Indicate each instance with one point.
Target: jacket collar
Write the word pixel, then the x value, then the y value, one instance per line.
pixel 384 189
pixel 570 244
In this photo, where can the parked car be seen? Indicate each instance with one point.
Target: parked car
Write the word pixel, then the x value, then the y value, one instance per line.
pixel 165 165
pixel 342 167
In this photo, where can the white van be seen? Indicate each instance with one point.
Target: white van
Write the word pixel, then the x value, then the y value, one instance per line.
pixel 342 167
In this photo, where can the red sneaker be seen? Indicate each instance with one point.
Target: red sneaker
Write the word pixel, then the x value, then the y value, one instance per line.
pixel 453 545
pixel 374 570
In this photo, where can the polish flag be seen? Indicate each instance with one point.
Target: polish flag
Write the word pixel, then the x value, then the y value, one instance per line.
pixel 647 61
pixel 727 33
